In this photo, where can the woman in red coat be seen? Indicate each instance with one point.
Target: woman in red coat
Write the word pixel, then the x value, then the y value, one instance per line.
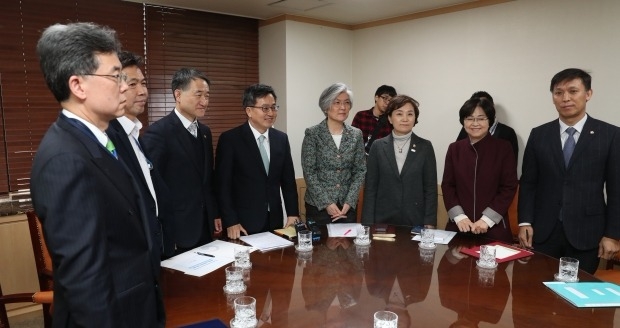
pixel 480 176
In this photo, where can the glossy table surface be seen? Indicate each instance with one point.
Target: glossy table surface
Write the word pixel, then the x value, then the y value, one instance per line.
pixel 340 284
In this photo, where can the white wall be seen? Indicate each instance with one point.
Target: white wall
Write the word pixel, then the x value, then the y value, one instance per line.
pixel 316 57
pixel 510 50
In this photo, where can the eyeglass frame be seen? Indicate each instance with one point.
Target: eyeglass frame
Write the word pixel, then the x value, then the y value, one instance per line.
pixel 120 77
pixel 471 120
pixel 386 98
pixel 265 109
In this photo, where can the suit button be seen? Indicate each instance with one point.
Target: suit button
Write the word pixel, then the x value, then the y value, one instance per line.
pixel 337 156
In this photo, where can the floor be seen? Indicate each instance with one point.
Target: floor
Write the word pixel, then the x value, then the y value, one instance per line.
pixel 29 320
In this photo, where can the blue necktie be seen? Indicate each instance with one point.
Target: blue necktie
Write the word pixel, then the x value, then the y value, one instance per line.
pixel 263 152
pixel 569 145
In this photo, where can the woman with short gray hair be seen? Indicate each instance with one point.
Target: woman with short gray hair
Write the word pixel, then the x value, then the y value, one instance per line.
pixel 333 160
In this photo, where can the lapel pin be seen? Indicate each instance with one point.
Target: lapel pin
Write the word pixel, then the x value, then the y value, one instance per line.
pixel 591 132
pixel 413 148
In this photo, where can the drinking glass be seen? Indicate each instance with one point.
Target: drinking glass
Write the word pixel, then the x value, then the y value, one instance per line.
pixel 363 236
pixel 304 241
pixel 245 313
pixel 242 257
pixel 487 257
pixel 427 237
pixel 568 269
pixel 386 319
pixel 234 280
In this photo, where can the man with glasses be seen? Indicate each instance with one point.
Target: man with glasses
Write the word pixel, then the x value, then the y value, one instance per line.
pixel 181 148
pixel 253 162
pixel 95 227
pixel 372 122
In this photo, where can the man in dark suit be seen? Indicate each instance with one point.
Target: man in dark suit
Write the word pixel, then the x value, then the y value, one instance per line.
pixel 498 130
pixel 181 147
pixel 571 166
pixel 124 132
pixel 253 162
pixel 94 222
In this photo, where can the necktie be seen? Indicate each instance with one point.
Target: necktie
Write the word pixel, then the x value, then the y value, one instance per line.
pixel 569 145
pixel 111 148
pixel 193 129
pixel 263 152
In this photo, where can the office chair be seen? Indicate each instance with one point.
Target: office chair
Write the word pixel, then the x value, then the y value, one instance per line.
pixel 610 274
pixel 43 262
pixel 44 297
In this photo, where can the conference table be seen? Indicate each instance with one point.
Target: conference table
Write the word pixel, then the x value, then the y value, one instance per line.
pixel 340 284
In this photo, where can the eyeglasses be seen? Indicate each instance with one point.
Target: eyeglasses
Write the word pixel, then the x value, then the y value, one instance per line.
pixel 476 119
pixel 121 77
pixel 266 109
pixel 386 98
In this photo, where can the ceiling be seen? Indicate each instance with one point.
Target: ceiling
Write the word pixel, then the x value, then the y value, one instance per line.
pixel 349 12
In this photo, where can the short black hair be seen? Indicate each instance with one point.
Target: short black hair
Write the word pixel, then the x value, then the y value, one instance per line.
pixel 470 106
pixel 400 101
pixel 128 58
pixel 482 94
pixel 570 74
pixel 386 89
pixel 256 91
pixel 183 77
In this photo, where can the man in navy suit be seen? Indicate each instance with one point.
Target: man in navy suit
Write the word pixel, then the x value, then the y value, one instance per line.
pixel 94 221
pixel 181 148
pixel 124 132
pixel 253 163
pixel 569 201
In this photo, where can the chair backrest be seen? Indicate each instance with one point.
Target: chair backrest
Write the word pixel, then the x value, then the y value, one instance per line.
pixel 43 262
pixel 512 216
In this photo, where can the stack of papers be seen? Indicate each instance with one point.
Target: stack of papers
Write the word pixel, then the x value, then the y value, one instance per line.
pixel 342 229
pixel 266 241
pixel 441 237
pixel 587 294
pixel 204 259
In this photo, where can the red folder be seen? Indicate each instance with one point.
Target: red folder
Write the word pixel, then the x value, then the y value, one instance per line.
pixel 475 252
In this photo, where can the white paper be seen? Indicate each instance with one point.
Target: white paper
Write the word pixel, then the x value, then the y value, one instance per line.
pixel 441 237
pixel 194 264
pixel 266 241
pixel 342 229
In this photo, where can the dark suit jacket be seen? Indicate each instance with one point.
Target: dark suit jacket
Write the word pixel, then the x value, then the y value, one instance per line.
pixel 502 131
pixel 125 151
pixel 98 236
pixel 244 188
pixel 190 184
pixel 405 198
pixel 578 191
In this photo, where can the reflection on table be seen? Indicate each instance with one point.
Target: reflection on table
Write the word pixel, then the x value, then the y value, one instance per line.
pixel 340 284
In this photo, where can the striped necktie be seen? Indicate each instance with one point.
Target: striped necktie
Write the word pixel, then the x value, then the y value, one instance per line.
pixel 111 148
pixel 569 145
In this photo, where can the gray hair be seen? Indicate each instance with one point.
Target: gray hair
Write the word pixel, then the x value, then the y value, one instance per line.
pixel 331 93
pixel 71 49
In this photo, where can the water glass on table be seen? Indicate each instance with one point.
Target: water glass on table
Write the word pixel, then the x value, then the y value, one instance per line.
pixel 304 241
pixel 242 257
pixel 234 280
pixel 427 238
pixel 363 236
pixel 487 257
pixel 245 313
pixel 385 319
pixel 568 270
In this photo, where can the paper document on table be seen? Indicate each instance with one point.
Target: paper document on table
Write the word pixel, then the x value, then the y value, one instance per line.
pixel 587 294
pixel 204 259
pixel 441 237
pixel 266 241
pixel 342 229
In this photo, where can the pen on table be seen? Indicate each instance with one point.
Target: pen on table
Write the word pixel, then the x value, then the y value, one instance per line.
pixel 347 232
pixel 204 254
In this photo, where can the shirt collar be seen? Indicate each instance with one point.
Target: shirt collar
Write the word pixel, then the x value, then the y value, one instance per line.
pixel 100 135
pixel 258 134
pixel 578 126
pixel 132 128
pixel 186 123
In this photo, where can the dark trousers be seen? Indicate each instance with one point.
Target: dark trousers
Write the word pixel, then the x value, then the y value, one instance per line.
pixel 558 246
pixel 322 217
